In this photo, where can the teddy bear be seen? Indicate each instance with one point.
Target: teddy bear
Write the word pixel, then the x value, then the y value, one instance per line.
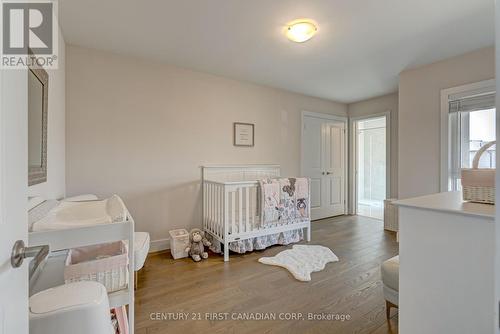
pixel 197 241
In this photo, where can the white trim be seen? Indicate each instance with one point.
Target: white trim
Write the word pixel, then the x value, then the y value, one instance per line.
pixel 338 118
pixel 353 180
pixel 448 94
pixel 352 168
pixel 323 116
pixel 159 245
pixel 260 166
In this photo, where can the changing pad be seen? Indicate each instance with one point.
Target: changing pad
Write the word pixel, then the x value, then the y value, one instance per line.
pixel 81 214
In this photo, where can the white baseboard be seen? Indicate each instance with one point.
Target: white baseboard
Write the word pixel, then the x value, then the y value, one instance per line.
pixel 159 245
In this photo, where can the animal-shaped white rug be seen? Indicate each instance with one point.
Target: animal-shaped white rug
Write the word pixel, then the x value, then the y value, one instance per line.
pixel 302 260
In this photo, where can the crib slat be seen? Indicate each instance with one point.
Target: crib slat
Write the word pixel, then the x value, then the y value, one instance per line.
pixel 216 205
pixel 255 223
pixel 217 216
pixel 233 211
pixel 204 200
pixel 213 204
pixel 224 227
pixel 240 209
pixel 212 212
pixel 220 223
pixel 214 215
pixel 247 209
pixel 220 220
pixel 209 204
pixel 254 199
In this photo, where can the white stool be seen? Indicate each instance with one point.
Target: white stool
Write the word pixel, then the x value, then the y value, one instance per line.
pixel 390 280
pixel 76 308
pixel 141 250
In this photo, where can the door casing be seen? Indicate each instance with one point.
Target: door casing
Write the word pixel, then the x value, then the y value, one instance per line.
pixel 353 150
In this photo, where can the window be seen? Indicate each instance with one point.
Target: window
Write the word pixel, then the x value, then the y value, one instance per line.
pixel 471 124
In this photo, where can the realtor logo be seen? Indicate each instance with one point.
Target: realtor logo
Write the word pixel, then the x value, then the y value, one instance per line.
pixel 29 34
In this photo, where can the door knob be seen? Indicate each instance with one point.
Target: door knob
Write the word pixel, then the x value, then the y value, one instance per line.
pixel 21 252
pixel 328 173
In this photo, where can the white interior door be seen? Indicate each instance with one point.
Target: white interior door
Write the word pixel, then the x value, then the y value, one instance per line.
pixel 324 162
pixel 334 198
pixel 13 196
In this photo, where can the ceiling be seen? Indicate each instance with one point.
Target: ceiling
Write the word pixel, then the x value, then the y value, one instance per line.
pixel 361 46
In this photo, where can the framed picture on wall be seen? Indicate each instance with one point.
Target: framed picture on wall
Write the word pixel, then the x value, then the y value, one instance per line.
pixel 244 134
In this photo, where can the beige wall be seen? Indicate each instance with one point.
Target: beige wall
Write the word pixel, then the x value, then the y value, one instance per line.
pixel 375 106
pixel 419 116
pixel 142 129
pixel 55 186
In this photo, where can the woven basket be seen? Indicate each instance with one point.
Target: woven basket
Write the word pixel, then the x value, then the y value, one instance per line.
pixel 479 183
pixel 105 263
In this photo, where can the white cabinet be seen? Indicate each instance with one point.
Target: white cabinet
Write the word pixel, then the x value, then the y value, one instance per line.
pixel 446 279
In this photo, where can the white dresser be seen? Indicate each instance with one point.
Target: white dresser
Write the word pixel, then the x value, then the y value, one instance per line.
pixel 446 277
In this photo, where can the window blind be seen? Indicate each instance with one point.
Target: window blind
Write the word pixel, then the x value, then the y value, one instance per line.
pixel 460 109
pixel 473 103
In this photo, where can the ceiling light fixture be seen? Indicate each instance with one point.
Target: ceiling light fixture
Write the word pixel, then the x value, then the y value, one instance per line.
pixel 301 30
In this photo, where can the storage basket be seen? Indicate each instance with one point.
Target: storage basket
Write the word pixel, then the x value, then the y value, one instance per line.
pixel 479 183
pixel 179 240
pixel 105 263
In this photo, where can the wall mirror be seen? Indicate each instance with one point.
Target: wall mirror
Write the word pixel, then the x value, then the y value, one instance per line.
pixel 38 89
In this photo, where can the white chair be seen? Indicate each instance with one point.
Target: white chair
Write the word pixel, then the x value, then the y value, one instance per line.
pixel 390 280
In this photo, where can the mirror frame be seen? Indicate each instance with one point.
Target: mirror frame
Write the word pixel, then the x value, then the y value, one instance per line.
pixel 37 174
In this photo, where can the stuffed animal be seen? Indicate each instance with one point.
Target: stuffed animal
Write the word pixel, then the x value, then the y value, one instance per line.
pixel 196 242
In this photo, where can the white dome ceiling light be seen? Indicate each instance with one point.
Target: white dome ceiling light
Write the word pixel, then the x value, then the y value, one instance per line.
pixel 301 30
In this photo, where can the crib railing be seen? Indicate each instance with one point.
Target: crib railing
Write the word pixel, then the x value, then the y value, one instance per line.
pixel 230 209
pixel 213 207
pixel 242 208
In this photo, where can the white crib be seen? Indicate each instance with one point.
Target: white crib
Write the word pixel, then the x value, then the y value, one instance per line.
pixel 230 207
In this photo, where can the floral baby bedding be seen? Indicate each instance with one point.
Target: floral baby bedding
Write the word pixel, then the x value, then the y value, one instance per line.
pixel 284 200
pixel 270 196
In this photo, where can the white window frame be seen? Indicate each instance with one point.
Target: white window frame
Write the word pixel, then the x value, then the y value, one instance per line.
pixel 453 93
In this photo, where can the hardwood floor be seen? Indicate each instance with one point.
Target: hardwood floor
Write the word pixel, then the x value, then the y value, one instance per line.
pixel 244 287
